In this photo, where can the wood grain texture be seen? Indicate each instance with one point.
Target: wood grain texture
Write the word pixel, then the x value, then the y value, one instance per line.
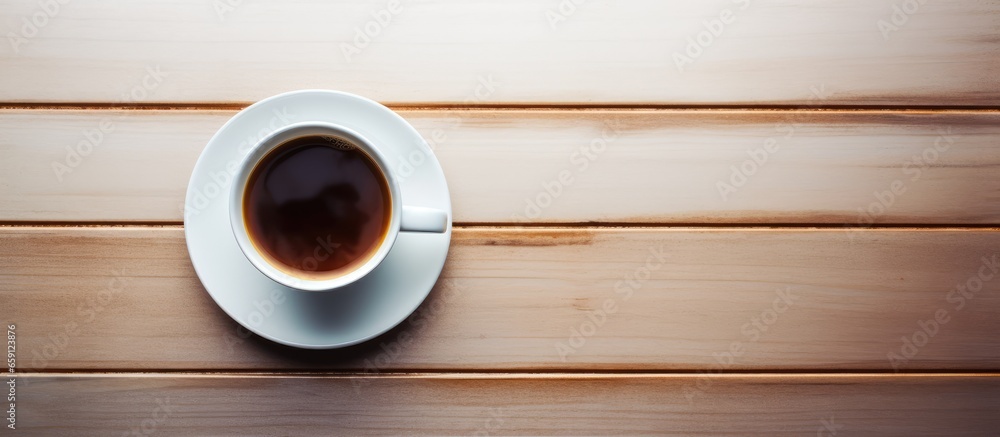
pixel 550 113
pixel 502 404
pixel 530 299
pixel 638 166
pixel 447 51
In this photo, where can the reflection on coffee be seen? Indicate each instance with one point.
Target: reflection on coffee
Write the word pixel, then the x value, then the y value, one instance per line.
pixel 317 207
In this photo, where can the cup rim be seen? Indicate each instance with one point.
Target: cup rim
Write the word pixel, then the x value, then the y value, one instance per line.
pixel 238 189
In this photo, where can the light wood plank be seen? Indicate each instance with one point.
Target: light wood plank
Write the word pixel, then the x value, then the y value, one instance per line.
pixel 513 299
pixel 442 51
pixel 661 166
pixel 500 404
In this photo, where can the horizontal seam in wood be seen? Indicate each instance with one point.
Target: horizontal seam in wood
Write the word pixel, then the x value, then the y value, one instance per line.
pixel 515 375
pixel 235 106
pixel 528 371
pixel 576 226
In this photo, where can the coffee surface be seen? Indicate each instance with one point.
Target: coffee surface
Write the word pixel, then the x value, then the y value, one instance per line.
pixel 317 207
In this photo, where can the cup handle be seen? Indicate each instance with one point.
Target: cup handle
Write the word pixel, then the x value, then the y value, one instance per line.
pixel 419 219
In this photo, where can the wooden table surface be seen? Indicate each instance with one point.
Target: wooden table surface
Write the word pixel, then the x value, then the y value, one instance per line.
pixel 773 217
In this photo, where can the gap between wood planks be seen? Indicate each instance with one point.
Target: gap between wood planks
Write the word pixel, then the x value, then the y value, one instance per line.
pixel 235 106
pixel 783 375
pixel 568 225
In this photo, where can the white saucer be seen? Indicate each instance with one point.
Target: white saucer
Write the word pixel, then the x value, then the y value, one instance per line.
pixel 315 320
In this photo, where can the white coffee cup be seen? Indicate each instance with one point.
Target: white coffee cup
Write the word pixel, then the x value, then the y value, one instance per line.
pixel 402 218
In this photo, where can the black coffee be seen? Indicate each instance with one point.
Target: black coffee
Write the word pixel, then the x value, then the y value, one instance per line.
pixel 317 207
